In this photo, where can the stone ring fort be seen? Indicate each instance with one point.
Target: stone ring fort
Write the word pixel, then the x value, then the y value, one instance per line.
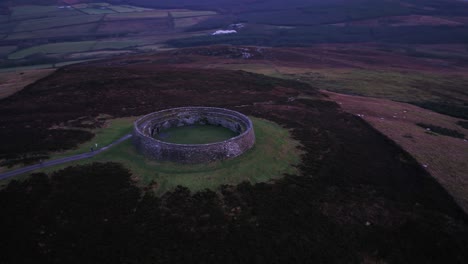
pixel 147 127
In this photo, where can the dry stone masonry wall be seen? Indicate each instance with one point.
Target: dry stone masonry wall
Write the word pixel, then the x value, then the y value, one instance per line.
pixel 146 127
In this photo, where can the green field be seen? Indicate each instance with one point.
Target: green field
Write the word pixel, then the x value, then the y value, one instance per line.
pixel 4 50
pixel 30 10
pixel 189 21
pixel 86 29
pixel 97 11
pixel 196 134
pixel 21 13
pixel 273 155
pixel 41 66
pixel 127 8
pixel 61 64
pixel 45 23
pixel 121 44
pixel 90 5
pixel 106 8
pixel 70 47
pixel 443 93
pixel 55 48
pixel 182 14
pixel 137 15
pixel 25 68
pixel 398 86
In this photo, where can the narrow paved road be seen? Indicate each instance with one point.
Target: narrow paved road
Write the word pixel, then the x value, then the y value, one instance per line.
pixel 62 160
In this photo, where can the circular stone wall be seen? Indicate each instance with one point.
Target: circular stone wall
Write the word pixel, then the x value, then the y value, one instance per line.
pixel 146 127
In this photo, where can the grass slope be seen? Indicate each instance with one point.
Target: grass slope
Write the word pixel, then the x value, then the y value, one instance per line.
pixel 444 156
pixel 440 92
pixel 273 155
pixel 12 82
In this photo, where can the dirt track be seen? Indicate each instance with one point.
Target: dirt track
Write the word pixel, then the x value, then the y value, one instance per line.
pixel 55 162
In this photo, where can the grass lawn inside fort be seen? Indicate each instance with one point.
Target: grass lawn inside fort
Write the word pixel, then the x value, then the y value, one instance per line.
pixel 195 134
pixel 274 154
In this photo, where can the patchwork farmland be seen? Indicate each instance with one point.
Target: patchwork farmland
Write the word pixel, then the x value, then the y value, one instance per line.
pixel 49 35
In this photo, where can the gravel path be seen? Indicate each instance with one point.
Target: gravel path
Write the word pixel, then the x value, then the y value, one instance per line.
pixel 62 160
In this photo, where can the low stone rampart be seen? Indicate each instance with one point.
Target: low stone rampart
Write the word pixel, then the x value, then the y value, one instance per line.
pixel 152 148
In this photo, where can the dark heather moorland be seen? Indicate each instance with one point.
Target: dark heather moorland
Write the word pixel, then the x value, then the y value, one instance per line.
pixel 350 175
pixel 358 195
